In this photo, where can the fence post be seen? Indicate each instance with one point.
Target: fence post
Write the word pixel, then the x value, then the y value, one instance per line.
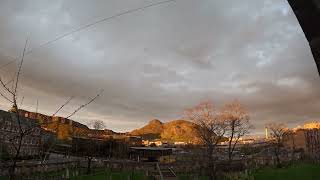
pixel 67 173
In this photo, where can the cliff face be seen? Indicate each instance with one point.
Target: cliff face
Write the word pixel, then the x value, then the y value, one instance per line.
pixel 176 130
pixel 151 131
pixel 180 130
pixel 308 15
pixel 65 128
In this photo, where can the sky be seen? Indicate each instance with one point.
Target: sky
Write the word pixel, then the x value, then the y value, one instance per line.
pixel 156 62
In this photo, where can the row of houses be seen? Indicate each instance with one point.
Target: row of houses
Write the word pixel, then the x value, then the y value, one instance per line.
pixel 68 136
pixel 10 134
pixel 306 139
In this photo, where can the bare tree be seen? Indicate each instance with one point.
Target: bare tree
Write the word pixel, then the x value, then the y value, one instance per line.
pixel 48 143
pixel 97 124
pixel 23 129
pixel 238 124
pixel 11 95
pixel 47 139
pixel 91 152
pixel 16 141
pixel 210 129
pixel 277 132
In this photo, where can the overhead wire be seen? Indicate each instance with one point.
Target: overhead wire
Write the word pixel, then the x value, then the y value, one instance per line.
pixel 86 26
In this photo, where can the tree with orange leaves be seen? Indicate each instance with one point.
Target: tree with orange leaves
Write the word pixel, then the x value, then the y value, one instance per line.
pixel 210 129
pixel 277 132
pixel 238 124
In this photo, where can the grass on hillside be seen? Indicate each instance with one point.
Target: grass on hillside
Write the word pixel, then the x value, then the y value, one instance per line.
pixel 295 172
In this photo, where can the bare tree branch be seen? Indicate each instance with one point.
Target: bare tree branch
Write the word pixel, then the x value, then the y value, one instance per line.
pixel 84 105
pixel 19 69
pixel 67 102
pixel 7 64
pixel 4 85
pixel 13 79
pixel 5 97
pixel 9 82
pixel 21 101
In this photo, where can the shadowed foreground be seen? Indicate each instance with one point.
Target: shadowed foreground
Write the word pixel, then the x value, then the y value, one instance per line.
pixel 296 172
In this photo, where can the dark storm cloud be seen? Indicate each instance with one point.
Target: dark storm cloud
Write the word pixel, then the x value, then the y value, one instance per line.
pixel 156 62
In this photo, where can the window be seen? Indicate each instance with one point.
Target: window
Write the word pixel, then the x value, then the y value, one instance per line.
pixel 8 123
pixel 6 138
pixel 37 131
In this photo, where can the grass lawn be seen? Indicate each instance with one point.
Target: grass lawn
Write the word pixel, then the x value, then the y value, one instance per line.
pixel 295 172
pixel 99 175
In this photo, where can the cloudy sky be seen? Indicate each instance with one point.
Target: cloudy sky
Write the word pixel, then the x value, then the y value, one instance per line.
pixel 156 62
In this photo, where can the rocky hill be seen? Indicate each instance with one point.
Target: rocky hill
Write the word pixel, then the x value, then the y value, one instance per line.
pixel 176 130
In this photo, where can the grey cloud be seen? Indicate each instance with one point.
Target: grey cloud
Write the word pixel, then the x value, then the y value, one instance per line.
pixel 157 62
